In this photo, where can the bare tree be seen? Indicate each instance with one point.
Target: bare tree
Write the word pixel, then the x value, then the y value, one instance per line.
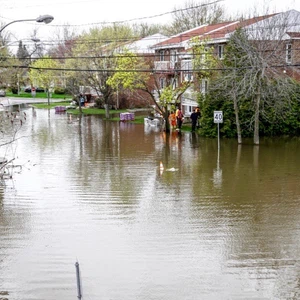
pixel 11 122
pixel 63 42
pixel 142 30
pixel 194 14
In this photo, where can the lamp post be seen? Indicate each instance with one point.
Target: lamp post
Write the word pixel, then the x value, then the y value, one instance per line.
pixel 41 19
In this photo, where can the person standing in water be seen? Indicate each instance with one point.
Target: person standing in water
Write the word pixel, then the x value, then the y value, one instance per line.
pixel 179 118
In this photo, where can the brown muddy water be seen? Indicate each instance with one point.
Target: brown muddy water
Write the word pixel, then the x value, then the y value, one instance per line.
pixel 209 225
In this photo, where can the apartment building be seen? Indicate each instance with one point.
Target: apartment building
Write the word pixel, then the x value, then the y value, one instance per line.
pixel 279 32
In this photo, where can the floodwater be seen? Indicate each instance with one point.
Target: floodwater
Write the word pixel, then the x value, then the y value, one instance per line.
pixel 211 224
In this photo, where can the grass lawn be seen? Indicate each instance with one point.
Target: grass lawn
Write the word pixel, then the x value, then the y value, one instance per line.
pixel 38 95
pixel 91 111
pixel 94 111
pixel 51 104
pixel 138 119
pixel 75 111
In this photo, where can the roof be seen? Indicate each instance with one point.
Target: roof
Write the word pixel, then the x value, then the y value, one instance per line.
pixel 144 45
pixel 213 31
pixel 294 35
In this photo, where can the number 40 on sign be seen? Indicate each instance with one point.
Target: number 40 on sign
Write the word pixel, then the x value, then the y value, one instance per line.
pixel 218 117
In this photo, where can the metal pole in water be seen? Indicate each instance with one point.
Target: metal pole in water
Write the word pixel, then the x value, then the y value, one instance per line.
pixel 218 137
pixel 79 295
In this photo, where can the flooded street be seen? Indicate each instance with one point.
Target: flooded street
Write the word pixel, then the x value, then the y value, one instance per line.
pixel 208 225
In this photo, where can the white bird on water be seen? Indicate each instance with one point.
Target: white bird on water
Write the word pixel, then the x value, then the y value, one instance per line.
pixel 171 170
pixel 161 167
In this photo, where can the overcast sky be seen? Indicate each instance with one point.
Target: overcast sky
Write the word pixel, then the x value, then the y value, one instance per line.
pixel 79 12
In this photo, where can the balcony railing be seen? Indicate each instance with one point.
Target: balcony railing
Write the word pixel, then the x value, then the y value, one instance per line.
pixel 166 66
pixel 162 65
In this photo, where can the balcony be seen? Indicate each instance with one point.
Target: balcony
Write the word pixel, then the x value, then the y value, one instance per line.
pixel 165 66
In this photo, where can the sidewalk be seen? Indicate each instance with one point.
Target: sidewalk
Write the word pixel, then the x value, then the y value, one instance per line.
pixel 8 101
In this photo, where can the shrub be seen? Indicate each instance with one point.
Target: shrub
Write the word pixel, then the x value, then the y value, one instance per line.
pixel 99 103
pixel 14 90
pixel 60 91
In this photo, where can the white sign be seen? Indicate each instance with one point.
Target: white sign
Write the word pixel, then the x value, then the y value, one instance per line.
pixel 218 117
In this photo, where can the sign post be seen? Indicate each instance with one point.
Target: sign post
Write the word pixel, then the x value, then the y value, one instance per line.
pixel 33 92
pixel 218 118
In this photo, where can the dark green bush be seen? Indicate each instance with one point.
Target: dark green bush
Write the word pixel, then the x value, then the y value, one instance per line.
pixel 14 90
pixel 99 103
pixel 273 121
pixel 60 91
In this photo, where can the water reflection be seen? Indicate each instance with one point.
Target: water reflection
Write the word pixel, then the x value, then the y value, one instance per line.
pixel 219 224
pixel 217 173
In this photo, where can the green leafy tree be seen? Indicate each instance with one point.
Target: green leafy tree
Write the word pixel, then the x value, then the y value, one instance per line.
pixel 94 62
pixel 135 73
pixel 44 72
pixel 204 59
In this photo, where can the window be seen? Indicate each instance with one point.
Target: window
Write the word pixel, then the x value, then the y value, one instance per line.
pixel 220 51
pixel 162 83
pixel 161 55
pixel 288 53
pixel 187 68
pixel 173 59
pixel 173 56
pixel 175 83
pixel 204 86
pixel 186 65
pixel 204 56
pixel 188 76
pixel 187 109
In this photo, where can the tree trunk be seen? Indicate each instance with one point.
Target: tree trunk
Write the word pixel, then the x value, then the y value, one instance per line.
pixel 79 105
pixel 237 120
pixel 106 111
pixel 256 120
pixel 48 96
pixel 167 123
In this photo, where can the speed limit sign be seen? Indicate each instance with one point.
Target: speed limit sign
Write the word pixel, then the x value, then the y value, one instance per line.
pixel 218 117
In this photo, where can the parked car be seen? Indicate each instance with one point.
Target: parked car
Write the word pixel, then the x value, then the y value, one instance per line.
pixel 38 89
pixel 2 93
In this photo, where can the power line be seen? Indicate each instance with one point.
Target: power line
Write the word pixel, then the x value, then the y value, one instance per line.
pixel 152 71
pixel 133 19
pixel 141 56
pixel 171 12
pixel 78 41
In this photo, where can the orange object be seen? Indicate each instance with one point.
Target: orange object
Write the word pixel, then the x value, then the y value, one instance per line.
pixel 172 120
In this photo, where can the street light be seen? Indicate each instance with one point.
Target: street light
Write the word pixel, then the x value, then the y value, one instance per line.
pixel 41 19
